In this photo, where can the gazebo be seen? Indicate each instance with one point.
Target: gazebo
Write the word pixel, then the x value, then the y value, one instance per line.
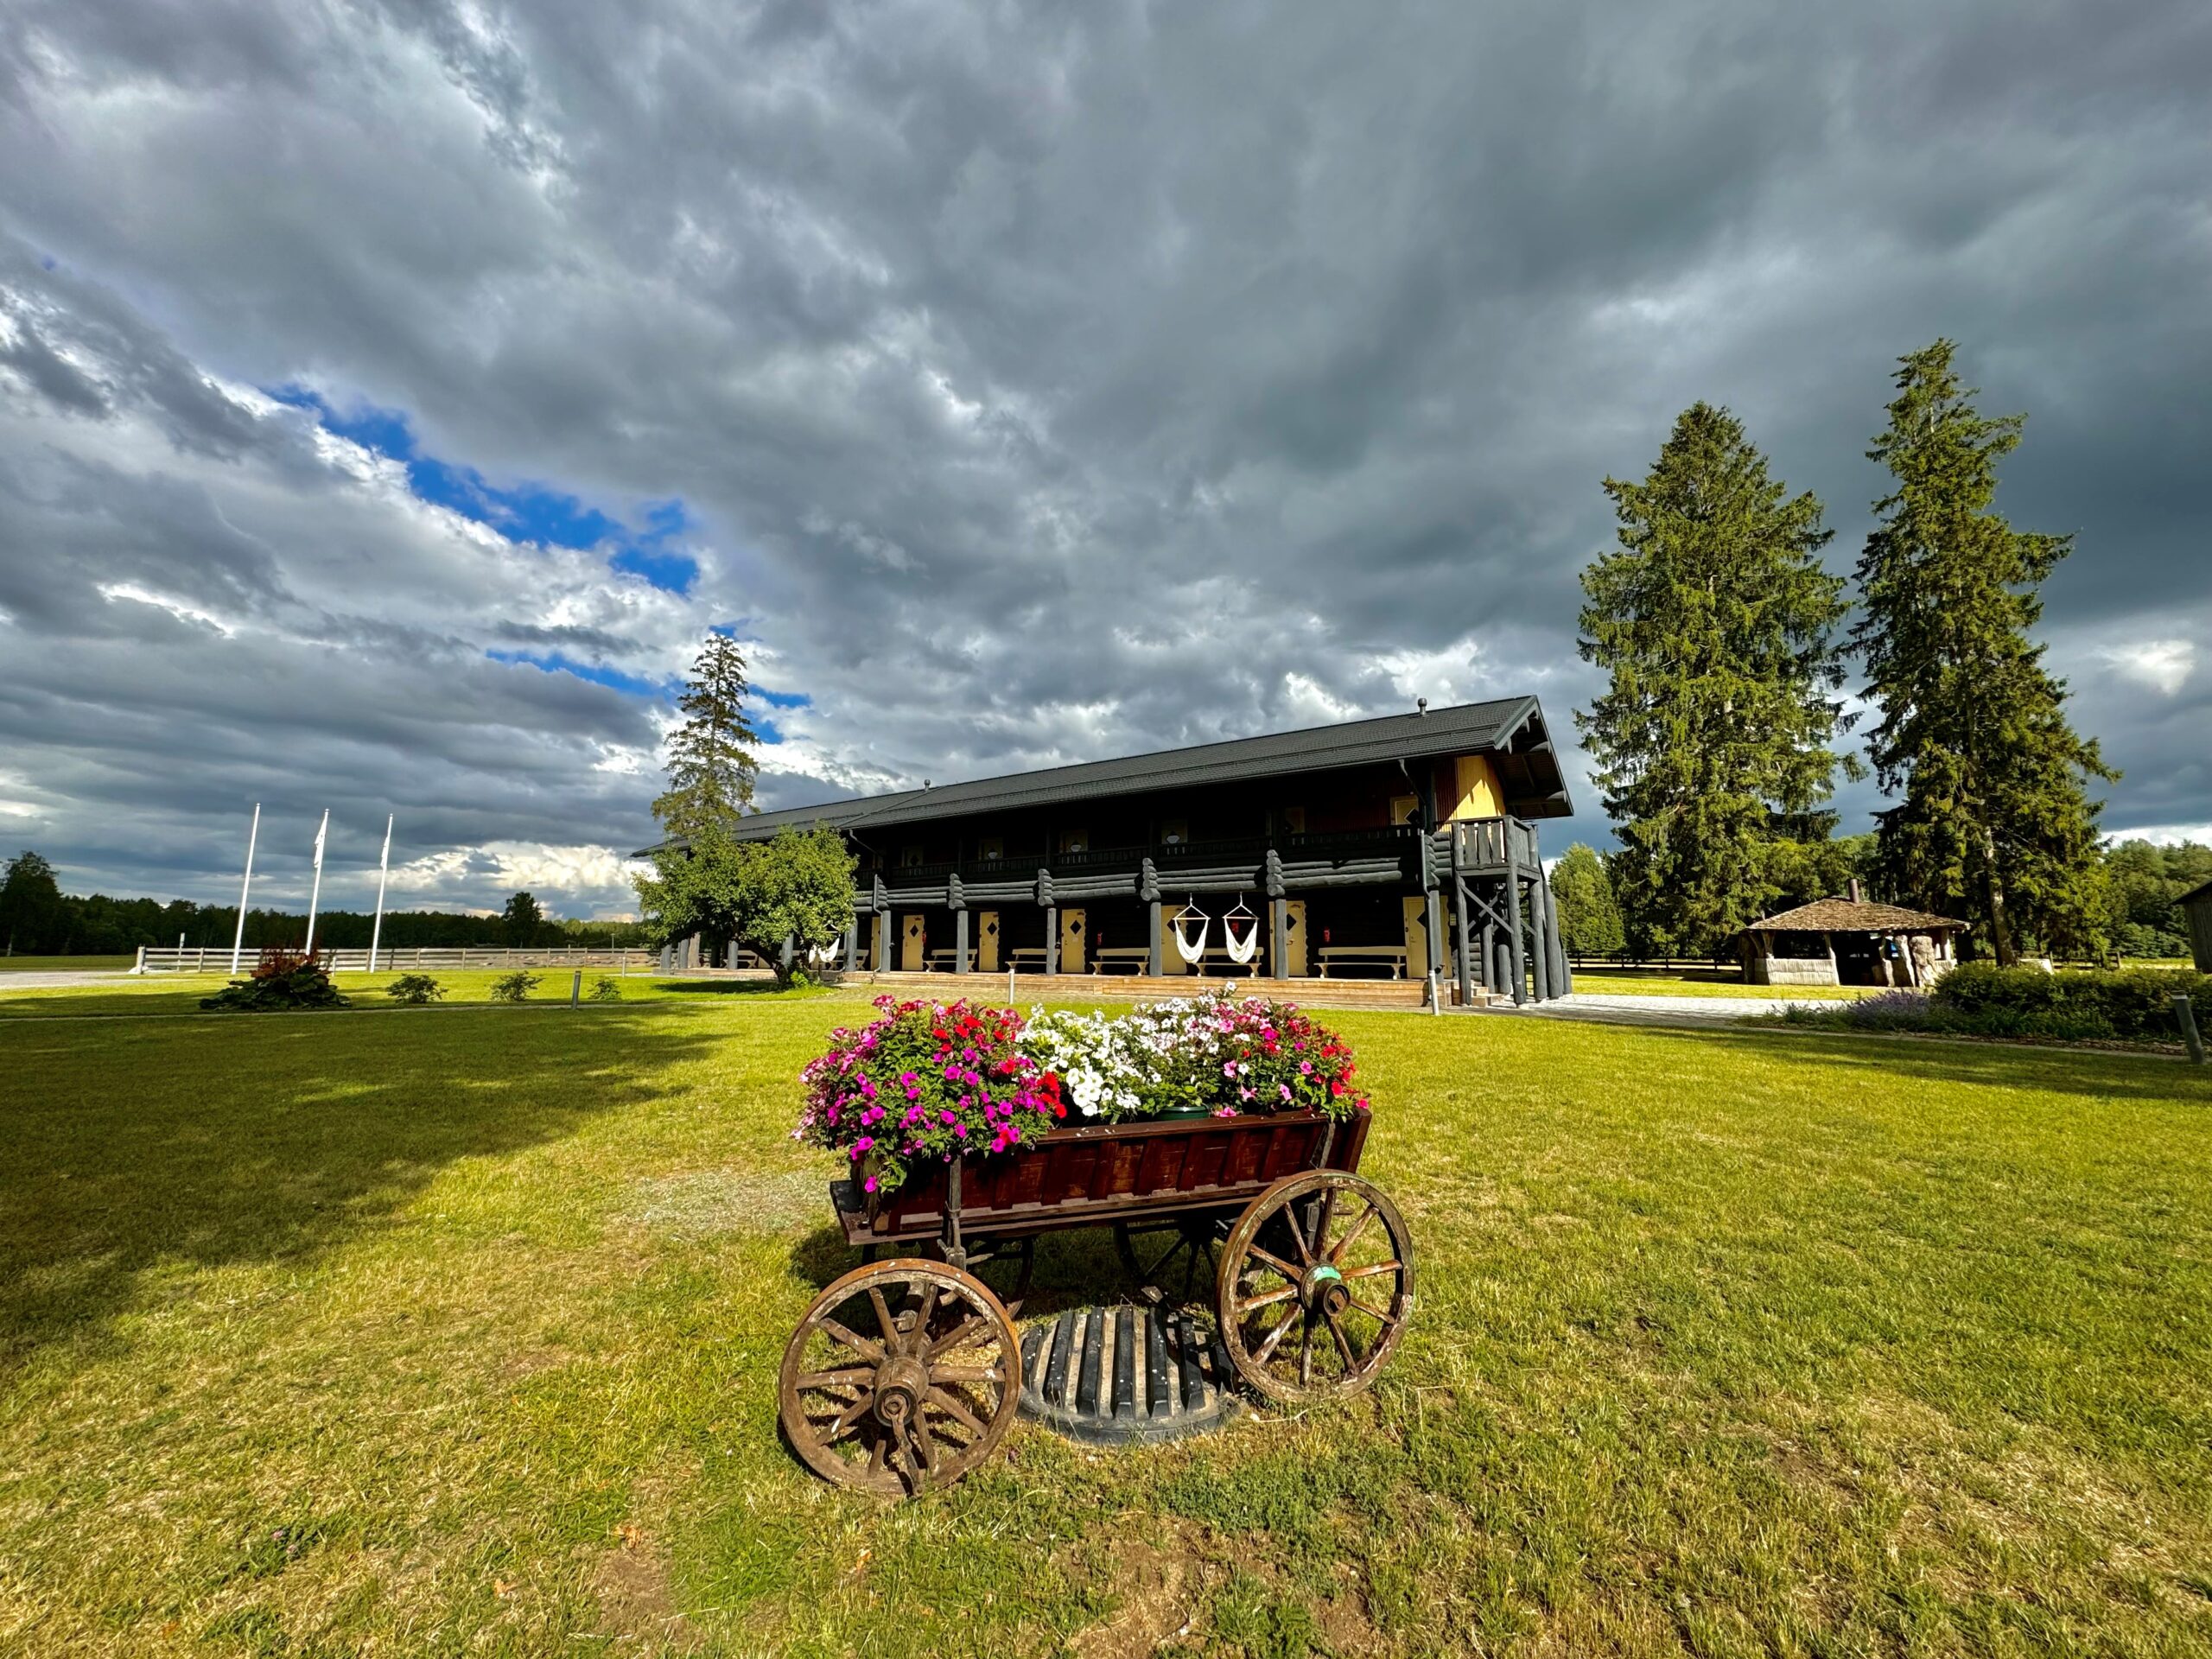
pixel 1849 941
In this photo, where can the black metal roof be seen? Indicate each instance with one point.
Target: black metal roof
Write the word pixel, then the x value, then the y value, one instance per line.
pixel 1534 785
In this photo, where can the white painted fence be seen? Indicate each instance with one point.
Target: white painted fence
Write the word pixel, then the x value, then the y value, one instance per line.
pixel 216 959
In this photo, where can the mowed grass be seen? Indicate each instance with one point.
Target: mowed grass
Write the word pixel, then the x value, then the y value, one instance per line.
pixel 181 994
pixel 455 1331
pixel 1597 980
pixel 65 964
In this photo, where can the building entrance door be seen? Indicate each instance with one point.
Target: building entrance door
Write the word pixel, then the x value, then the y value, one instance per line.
pixel 1072 939
pixel 911 960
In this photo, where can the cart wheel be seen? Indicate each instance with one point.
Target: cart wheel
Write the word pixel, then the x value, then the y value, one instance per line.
pixel 903 1375
pixel 1171 1259
pixel 1315 1287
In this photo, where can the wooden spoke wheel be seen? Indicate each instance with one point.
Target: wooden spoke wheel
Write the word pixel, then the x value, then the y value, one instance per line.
pixel 1171 1259
pixel 903 1375
pixel 1315 1287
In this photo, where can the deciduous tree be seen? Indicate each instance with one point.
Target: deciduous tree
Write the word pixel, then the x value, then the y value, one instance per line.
pixel 1995 826
pixel 1589 919
pixel 757 894
pixel 1717 624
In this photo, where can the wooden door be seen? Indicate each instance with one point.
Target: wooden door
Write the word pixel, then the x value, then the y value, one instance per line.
pixel 910 946
pixel 987 941
pixel 1416 906
pixel 1073 934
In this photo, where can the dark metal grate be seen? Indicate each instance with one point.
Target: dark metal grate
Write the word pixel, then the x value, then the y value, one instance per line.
pixel 1125 1374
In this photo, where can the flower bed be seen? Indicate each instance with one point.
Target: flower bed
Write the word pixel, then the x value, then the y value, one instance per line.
pixel 931 1080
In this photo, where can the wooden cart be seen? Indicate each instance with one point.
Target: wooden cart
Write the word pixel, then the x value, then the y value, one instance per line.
pixel 906 1373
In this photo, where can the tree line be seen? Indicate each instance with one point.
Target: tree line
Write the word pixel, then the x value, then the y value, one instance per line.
pixel 1733 655
pixel 38 918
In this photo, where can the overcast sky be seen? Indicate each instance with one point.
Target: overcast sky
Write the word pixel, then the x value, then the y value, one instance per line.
pixel 391 396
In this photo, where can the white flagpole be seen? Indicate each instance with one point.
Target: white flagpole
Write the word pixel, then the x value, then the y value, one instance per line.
pixel 384 872
pixel 238 940
pixel 315 891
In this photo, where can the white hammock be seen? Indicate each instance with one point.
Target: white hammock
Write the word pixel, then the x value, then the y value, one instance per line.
pixel 1240 954
pixel 1183 920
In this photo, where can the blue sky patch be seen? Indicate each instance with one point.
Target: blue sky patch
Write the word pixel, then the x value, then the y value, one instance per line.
pixel 553 662
pixel 783 699
pixel 527 512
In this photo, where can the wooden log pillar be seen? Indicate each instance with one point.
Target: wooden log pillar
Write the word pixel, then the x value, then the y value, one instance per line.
pixel 1149 890
pixel 1562 969
pixel 1051 938
pixel 1278 915
pixel 1434 932
pixel 1515 950
pixel 1540 953
pixel 960 940
pixel 850 961
pixel 882 941
pixel 1460 905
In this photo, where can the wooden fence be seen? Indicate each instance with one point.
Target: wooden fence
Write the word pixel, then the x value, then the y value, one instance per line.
pixel 216 959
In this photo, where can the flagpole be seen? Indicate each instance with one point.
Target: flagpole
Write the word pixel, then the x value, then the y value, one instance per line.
pixel 315 891
pixel 238 940
pixel 384 872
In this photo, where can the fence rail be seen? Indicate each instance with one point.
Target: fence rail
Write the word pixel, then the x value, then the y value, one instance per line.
pixel 216 959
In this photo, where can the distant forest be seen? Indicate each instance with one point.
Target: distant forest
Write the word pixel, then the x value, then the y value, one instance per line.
pixel 37 918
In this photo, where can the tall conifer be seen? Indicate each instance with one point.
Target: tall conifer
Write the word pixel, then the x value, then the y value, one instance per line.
pixel 711 764
pixel 1717 624
pixel 1996 826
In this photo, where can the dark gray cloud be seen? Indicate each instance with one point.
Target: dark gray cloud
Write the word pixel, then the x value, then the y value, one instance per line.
pixel 1040 383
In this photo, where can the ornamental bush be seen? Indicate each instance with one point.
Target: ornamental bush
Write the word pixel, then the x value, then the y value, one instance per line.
pixel 605 988
pixel 931 1081
pixel 516 987
pixel 2027 1001
pixel 415 989
pixel 283 981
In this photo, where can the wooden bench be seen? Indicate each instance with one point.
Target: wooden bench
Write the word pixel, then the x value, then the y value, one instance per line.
pixel 1393 954
pixel 940 961
pixel 1138 956
pixel 1029 956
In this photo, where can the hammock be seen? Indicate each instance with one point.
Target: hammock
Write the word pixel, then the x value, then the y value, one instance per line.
pixel 1242 954
pixel 1184 919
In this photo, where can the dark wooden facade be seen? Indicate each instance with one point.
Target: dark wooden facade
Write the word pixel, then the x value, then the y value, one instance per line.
pixel 1404 845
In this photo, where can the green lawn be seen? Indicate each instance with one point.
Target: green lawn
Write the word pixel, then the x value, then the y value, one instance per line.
pixel 178 993
pixel 455 1331
pixel 1596 981
pixel 65 964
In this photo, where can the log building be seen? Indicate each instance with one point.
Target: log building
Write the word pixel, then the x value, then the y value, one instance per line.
pixel 1394 847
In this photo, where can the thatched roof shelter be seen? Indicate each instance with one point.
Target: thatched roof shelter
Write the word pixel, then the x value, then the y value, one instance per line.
pixel 1849 941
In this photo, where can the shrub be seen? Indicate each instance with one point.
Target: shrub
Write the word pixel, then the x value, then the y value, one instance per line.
pixel 281 980
pixel 605 989
pixel 2027 1001
pixel 415 989
pixel 515 986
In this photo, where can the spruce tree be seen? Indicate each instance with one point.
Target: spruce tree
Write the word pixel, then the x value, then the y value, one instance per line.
pixel 711 764
pixel 1995 826
pixel 1717 624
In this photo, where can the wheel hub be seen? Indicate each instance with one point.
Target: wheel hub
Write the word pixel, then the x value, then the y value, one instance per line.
pixel 1322 1289
pixel 900 1383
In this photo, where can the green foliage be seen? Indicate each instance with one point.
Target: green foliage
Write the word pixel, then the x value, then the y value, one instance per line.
pixel 605 988
pixel 755 894
pixel 1995 826
pixel 2143 887
pixel 516 987
pixel 711 764
pixel 415 989
pixel 520 922
pixel 2127 1003
pixel 282 981
pixel 1716 623
pixel 1589 917
pixel 31 907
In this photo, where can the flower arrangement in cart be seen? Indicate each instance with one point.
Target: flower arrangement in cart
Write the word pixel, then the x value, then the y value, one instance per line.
pixel 933 1081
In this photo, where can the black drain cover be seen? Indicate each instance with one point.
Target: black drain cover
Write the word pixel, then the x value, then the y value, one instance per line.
pixel 1120 1374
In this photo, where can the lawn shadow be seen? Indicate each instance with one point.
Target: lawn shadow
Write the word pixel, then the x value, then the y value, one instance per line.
pixel 737 987
pixel 153 1144
pixel 2098 1072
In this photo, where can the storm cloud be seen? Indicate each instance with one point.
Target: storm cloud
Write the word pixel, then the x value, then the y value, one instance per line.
pixel 390 395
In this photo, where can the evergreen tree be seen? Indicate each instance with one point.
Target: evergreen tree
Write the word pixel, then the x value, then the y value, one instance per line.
pixel 1995 826
pixel 710 767
pixel 1717 624
pixel 1589 919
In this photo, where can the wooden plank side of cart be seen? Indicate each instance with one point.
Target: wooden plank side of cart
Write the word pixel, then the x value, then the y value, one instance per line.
pixel 1094 1176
